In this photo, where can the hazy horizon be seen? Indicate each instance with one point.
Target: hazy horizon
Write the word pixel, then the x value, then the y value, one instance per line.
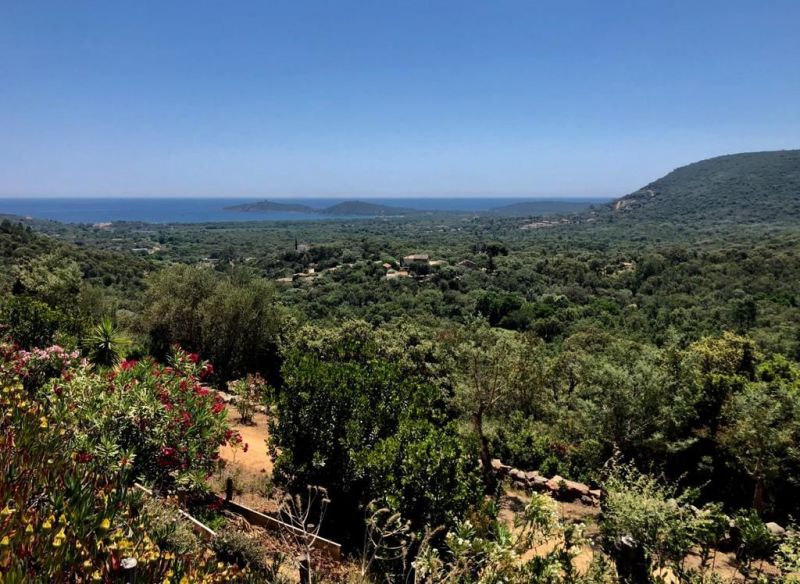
pixel 367 100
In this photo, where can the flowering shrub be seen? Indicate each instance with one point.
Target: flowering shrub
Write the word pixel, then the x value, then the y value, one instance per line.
pixel 250 391
pixel 65 516
pixel 164 416
pixel 37 366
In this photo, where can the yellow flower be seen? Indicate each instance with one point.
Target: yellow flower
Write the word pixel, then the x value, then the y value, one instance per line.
pixel 29 529
pixel 5 541
pixel 47 525
pixel 97 576
pixel 87 564
pixel 6 511
pixel 43 422
pixel 105 524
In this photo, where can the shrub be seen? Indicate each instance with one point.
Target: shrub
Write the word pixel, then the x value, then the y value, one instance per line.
pixel 250 392
pixel 67 516
pixel 245 551
pixel 170 422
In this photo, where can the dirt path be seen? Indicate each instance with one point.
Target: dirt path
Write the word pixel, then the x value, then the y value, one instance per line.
pixel 252 455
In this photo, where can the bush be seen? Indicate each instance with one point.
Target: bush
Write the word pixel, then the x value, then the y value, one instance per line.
pixel 68 516
pixel 165 417
pixel 250 392
pixel 245 551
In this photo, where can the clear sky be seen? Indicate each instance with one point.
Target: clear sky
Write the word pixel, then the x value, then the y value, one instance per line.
pixel 386 98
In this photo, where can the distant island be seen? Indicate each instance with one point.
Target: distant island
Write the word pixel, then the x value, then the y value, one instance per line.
pixel 345 208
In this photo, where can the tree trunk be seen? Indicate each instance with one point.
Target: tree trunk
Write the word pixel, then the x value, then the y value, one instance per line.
pixel 486 459
pixel 758 495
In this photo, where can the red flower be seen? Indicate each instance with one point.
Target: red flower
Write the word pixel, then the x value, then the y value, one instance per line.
pixel 207 370
pixel 127 364
pixel 246 447
pixel 217 407
pixel 83 457
pixel 194 357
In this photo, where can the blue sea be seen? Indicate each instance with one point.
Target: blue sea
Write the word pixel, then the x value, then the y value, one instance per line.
pixel 202 210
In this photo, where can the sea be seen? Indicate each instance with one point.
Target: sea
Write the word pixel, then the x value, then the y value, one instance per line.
pixel 203 210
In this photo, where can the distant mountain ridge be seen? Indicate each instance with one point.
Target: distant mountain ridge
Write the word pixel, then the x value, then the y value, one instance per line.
pixel 744 188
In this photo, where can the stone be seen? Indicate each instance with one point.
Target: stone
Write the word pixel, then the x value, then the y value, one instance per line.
pixel 775 529
pixel 596 493
pixel 517 474
pixel 539 483
pixel 499 468
pixel 554 484
pixel 519 485
pixel 530 476
pixel 587 500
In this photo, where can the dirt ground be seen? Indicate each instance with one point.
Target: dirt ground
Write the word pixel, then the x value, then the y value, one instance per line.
pixel 251 470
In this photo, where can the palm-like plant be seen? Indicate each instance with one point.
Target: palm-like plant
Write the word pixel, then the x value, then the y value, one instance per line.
pixel 105 343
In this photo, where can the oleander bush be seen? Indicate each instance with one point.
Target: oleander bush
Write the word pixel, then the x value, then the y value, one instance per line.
pixel 70 516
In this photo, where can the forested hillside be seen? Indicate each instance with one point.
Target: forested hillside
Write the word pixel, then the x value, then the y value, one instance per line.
pixel 757 187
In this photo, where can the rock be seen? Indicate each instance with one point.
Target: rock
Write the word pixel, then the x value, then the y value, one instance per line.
pixel 227 398
pixel 532 475
pixel 587 500
pixel 567 490
pixel 596 493
pixel 554 484
pixel 517 475
pixel 538 483
pixel 775 529
pixel 499 468
pixel 519 485
pixel 577 489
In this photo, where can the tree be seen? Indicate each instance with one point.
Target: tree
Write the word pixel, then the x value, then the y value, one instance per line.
pixel 490 362
pixel 172 313
pixel 360 415
pixel 761 428
pixel 239 326
pixel 51 278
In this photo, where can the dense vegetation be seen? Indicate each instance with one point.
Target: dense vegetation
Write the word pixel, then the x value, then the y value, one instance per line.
pixel 650 348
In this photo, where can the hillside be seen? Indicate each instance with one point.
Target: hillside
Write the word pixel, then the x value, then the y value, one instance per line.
pixel 757 187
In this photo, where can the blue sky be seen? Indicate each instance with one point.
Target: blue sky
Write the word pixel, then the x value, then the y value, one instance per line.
pixel 380 98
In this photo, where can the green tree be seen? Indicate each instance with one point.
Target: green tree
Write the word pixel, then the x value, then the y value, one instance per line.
pixel 761 429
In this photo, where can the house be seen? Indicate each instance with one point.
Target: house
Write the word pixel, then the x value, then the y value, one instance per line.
pixel 416 259
pixel 468 264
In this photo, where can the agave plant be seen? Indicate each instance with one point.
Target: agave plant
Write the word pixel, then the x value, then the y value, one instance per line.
pixel 105 343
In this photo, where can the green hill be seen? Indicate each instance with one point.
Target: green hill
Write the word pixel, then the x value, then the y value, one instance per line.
pixel 756 187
